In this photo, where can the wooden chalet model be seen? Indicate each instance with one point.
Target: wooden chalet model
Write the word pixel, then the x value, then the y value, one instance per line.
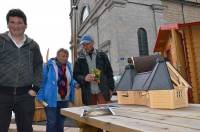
pixel 153 82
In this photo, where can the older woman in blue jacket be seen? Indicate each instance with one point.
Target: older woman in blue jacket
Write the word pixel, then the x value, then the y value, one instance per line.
pixel 57 90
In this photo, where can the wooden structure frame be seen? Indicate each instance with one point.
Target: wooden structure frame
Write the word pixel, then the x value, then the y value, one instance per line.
pixel 39 114
pixel 180 43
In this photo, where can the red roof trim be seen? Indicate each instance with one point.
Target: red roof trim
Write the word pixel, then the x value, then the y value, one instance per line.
pixel 178 25
pixel 167 27
pixel 189 24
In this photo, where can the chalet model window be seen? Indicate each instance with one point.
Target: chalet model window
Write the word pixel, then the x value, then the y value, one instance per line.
pixel 85 13
pixel 142 42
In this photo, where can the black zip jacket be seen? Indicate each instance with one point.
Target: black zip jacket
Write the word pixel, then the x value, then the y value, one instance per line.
pixel 106 80
pixel 20 68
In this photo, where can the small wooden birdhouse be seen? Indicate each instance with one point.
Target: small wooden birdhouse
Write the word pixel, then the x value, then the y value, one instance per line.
pixel 153 82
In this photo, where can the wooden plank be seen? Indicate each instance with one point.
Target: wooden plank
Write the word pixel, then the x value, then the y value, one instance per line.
pixel 38 104
pixel 139 118
pixel 78 97
pixel 39 113
pixel 180 78
pixel 138 124
pixel 175 81
pixel 74 113
pixel 179 49
pixel 191 59
pixel 192 111
pixel 185 122
pixel 196 40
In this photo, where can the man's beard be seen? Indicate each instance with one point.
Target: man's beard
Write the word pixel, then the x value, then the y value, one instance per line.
pixel 89 51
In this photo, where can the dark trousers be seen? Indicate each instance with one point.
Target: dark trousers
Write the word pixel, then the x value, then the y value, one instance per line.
pixel 55 121
pixel 98 99
pixel 22 105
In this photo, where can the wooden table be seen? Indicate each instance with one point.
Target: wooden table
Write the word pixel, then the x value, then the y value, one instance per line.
pixel 140 118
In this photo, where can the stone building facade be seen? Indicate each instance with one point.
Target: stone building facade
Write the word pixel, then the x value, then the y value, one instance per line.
pixel 126 28
pixel 181 11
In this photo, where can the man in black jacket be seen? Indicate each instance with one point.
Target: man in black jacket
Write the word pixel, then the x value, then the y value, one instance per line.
pixel 20 73
pixel 94 90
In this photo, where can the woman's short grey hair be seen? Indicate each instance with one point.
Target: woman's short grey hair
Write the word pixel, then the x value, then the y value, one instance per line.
pixel 63 50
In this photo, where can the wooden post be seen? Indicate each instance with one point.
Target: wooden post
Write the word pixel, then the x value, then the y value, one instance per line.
pixel 39 114
pixel 47 55
pixel 180 59
pixel 192 64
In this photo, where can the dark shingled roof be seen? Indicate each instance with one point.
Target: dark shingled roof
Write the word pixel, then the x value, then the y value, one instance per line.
pixel 126 81
pixel 156 78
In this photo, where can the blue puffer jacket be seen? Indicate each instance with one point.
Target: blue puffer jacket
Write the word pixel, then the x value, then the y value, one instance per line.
pixel 48 91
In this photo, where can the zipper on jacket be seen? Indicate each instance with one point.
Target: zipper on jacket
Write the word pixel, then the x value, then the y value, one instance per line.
pixel 15 91
pixel 17 78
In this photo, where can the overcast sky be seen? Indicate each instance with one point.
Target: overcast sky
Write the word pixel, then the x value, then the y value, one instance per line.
pixel 48 22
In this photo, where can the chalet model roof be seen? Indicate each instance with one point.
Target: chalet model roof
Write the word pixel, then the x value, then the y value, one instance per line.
pixel 153 75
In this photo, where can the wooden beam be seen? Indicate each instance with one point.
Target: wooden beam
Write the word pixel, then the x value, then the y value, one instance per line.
pixel 178 75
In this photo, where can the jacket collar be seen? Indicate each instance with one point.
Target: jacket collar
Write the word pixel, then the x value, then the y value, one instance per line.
pixel 83 54
pixel 7 38
pixel 52 61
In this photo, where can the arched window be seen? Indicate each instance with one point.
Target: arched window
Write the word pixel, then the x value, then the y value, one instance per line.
pixel 85 13
pixel 142 42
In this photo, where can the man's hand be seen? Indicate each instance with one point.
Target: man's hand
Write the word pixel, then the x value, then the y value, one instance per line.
pixel 32 93
pixel 111 93
pixel 89 77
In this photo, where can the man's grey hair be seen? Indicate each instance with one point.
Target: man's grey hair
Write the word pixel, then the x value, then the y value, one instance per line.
pixel 63 50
